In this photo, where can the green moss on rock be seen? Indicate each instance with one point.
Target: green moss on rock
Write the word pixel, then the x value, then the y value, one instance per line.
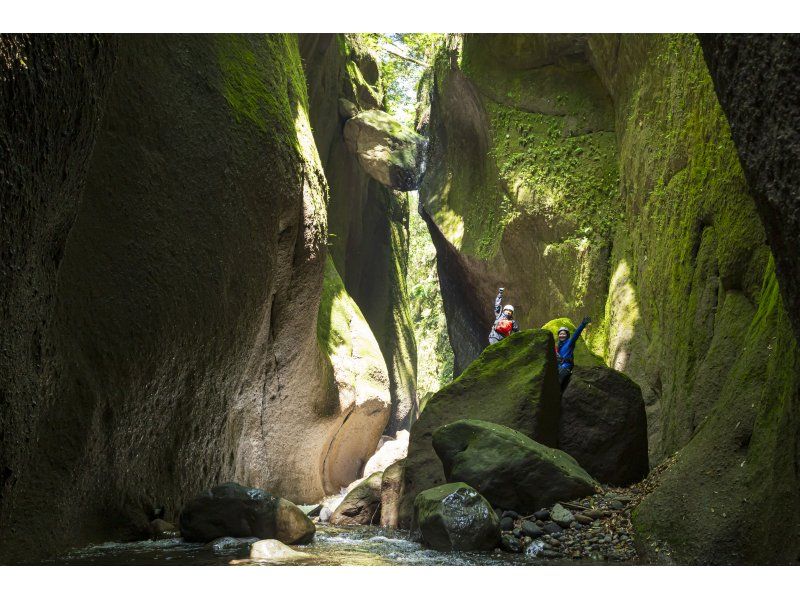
pixel 513 383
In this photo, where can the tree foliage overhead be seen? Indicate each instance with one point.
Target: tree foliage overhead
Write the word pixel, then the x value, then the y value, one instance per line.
pixel 403 58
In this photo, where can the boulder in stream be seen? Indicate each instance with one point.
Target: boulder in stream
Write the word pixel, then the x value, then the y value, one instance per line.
pixel 275 550
pixel 362 504
pixel 456 517
pixel 242 512
pixel 508 468
pixel 391 486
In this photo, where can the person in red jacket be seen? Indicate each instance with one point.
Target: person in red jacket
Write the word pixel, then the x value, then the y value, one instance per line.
pixel 504 322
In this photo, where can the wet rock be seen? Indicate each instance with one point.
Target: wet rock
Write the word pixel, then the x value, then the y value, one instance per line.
pixel 241 512
pixel 510 544
pixel 550 554
pixel 507 467
pixel 551 528
pixel 595 513
pixel 456 517
pixel 274 550
pixel 362 504
pixel 562 516
pixel 506 524
pixel 542 514
pixel 325 514
pixel 391 487
pixel 512 514
pixel 583 519
pixel 387 150
pixel 616 505
pixel 227 544
pixel 603 425
pixel 531 530
pixel 160 529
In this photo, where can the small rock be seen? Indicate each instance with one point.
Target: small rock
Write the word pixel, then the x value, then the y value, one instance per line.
pixel 512 514
pixel 506 524
pixel 583 519
pixel 510 544
pixel 616 505
pixel 550 554
pixel 325 514
pixel 160 530
pixel 595 513
pixel 561 516
pixel 551 528
pixel 518 533
pixel 542 515
pixel 530 529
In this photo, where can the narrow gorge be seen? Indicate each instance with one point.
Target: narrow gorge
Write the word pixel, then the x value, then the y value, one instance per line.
pixel 266 265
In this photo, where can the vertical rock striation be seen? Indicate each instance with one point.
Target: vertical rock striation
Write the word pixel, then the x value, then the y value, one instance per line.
pixel 597 174
pixel 368 222
pixel 194 336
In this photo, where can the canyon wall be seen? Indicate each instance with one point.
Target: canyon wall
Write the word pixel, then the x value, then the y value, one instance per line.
pixel 368 221
pixel 597 175
pixel 188 330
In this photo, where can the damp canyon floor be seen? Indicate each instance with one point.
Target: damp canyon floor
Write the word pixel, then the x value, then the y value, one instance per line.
pixel 332 546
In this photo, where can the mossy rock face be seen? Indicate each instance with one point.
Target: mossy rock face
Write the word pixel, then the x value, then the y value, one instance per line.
pixel 603 425
pixel 521 182
pixel 509 469
pixel 387 150
pixel 367 223
pixel 513 383
pixel 456 517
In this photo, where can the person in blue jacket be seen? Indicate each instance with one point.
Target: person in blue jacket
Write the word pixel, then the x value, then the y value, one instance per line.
pixel 504 322
pixel 565 351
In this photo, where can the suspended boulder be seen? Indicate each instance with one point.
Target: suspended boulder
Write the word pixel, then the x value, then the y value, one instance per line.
pixel 387 150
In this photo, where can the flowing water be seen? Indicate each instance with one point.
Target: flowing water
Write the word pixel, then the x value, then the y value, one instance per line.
pixel 363 545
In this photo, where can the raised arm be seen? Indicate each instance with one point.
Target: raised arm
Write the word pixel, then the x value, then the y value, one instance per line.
pixel 579 329
pixel 498 302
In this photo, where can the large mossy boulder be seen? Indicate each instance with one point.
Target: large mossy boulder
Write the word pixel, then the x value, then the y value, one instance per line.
pixel 513 383
pixel 388 151
pixel 603 425
pixel 242 512
pixel 362 504
pixel 508 468
pixel 456 517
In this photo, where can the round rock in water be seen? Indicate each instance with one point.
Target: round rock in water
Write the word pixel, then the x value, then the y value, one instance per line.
pixel 562 516
pixel 455 517
pixel 241 512
pixel 274 550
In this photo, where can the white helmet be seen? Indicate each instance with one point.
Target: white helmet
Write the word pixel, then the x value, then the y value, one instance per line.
pixel 508 308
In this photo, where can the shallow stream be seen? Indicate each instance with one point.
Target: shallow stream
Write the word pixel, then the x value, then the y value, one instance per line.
pixel 364 545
